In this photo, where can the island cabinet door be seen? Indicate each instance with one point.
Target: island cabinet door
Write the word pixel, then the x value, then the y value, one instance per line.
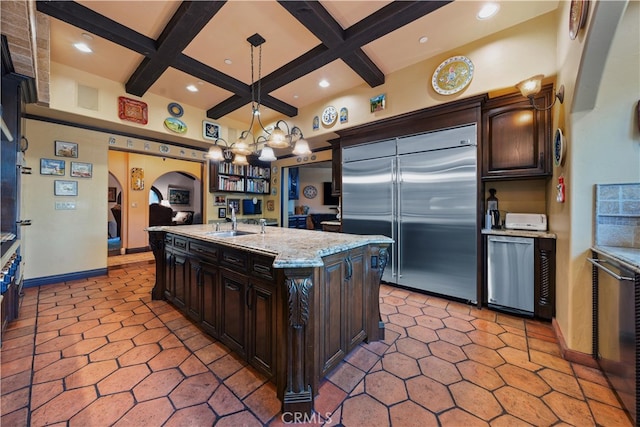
pixel 181 276
pixel 210 284
pixel 194 288
pixel 261 311
pixel 332 304
pixel 355 296
pixel 233 313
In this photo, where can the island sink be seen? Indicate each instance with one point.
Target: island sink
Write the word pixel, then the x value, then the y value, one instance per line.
pixel 228 233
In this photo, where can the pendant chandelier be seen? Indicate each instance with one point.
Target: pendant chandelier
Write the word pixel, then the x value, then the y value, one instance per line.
pixel 247 144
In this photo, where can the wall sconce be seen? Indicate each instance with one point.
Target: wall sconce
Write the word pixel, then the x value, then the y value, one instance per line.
pixel 531 87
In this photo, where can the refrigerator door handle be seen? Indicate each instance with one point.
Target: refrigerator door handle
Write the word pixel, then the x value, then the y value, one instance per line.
pixel 394 217
pixel 399 217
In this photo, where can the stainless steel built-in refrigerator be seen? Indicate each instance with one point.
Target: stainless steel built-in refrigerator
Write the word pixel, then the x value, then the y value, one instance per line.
pixel 421 191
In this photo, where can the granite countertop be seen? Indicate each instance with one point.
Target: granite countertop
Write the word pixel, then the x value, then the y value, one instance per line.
pixel 628 257
pixel 519 233
pixel 336 223
pixel 292 248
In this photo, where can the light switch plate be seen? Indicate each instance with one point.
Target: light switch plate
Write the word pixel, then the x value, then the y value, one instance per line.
pixel 65 206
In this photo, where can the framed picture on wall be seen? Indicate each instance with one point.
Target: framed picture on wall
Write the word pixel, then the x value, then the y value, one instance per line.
pixel 234 204
pixel 81 170
pixel 222 212
pixel 65 188
pixel 220 201
pixel 210 130
pixel 52 167
pixel 66 149
pixel 179 196
pixel 111 195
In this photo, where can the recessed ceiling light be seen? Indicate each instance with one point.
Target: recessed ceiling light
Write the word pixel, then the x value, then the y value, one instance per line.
pixel 423 39
pixel 295 96
pixel 87 36
pixel 82 47
pixel 488 10
pixel 323 83
pixel 192 88
pixel 228 61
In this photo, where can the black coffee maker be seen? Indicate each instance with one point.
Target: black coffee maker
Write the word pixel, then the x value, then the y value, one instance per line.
pixel 493 214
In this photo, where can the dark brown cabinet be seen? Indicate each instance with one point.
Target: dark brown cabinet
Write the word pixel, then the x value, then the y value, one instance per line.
pixel 231 294
pixel 544 265
pixel 232 304
pixel 516 138
pixel 344 300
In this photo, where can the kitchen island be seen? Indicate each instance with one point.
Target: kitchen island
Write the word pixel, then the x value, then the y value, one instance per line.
pixel 292 303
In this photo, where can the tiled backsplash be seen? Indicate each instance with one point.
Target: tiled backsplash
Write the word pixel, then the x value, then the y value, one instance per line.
pixel 618 215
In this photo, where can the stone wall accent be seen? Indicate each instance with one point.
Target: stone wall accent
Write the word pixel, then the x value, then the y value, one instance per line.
pixel 618 215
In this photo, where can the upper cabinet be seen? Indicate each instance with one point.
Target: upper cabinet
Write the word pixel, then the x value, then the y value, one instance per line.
pixel 516 138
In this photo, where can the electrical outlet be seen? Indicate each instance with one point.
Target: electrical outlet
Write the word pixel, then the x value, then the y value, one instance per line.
pixel 65 206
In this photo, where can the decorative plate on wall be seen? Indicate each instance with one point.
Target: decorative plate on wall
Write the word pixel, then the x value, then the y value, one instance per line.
pixel 577 17
pixel 175 109
pixel 453 75
pixel 559 148
pixel 310 192
pixel 133 110
pixel 175 125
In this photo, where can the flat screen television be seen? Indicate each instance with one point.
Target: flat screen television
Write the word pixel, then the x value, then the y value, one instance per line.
pixel 327 198
pixel 250 208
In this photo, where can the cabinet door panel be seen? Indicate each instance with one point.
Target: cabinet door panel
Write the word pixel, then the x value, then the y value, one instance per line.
pixel 210 283
pixel 262 325
pixel 355 299
pixel 194 298
pixel 513 141
pixel 232 327
pixel 333 336
pixel 181 274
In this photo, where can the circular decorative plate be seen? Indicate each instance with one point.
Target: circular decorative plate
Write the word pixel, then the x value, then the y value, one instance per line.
pixel 310 192
pixel 329 115
pixel 175 109
pixel 559 148
pixel 577 17
pixel 164 148
pixel 175 125
pixel 453 75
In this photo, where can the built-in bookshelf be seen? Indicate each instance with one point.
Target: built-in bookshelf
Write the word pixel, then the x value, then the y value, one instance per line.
pixel 227 177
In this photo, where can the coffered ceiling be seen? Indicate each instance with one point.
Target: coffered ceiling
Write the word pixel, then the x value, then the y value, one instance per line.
pixel 161 47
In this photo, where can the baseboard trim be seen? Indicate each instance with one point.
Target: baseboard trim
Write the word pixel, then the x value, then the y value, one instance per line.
pixel 569 355
pixel 59 278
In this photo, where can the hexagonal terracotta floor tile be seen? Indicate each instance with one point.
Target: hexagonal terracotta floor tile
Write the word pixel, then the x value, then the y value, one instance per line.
pixel 454 337
pixel 90 374
pixel 400 365
pixel 480 374
pixel 124 379
pixel 525 406
pixel 64 406
pixel 409 414
pixel 157 384
pixel 194 390
pixel 152 412
pixel 224 402
pixel 523 380
pixel 475 400
pixel 139 354
pixel 439 369
pixel 106 409
pixel 422 333
pixel 571 411
pixel 264 402
pixel 385 387
pixel 199 415
pixel 429 393
pixel 362 410
pixel 412 348
pixel 483 355
pixel 170 358
pixel 447 351
pixel 485 339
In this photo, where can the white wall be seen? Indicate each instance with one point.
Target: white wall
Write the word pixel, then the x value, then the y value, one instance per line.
pixel 314 176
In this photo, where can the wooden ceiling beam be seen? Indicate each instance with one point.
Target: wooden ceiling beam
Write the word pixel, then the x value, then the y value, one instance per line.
pixel 184 26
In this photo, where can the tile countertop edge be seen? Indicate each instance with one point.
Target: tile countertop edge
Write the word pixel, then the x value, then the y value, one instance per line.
pixel 292 248
pixel 628 257
pixel 519 233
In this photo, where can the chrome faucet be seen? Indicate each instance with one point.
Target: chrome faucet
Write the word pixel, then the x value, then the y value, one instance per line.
pixel 217 226
pixel 234 220
pixel 263 222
